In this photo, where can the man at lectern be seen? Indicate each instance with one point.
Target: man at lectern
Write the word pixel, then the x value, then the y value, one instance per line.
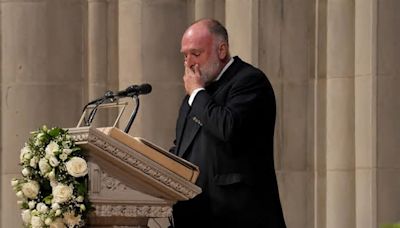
pixel 226 127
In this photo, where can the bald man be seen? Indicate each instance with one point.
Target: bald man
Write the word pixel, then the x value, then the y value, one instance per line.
pixel 226 127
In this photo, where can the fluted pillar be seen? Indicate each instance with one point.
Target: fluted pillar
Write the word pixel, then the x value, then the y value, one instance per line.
pixel 365 113
pixel 206 9
pixel 149 52
pixel 286 44
pixel 340 147
pixel 387 111
pixel 102 58
pixel 41 79
pixel 242 22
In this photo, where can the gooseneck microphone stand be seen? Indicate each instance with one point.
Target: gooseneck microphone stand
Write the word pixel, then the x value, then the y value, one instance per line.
pixel 134 112
pixel 112 100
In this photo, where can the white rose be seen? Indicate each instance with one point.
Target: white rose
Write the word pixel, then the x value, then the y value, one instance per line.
pixel 66 144
pixel 33 162
pixel 55 206
pixel 83 207
pixel 79 199
pixel 63 157
pixel 48 221
pixel 30 189
pixel 58 223
pixel 14 182
pixel 36 222
pixel 44 166
pixel 20 194
pixel 41 207
pixel 26 216
pixel 40 135
pixel 52 148
pixel 70 219
pixel 31 204
pixel 58 212
pixel 26 172
pixel 54 161
pixel 25 153
pixel 53 182
pixel 77 167
pixel 67 151
pixel 62 193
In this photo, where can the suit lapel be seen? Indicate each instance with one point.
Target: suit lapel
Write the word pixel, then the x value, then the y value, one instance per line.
pixel 188 127
pixel 184 111
pixel 190 130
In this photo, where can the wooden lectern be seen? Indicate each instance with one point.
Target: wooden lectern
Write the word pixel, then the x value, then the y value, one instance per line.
pixel 129 186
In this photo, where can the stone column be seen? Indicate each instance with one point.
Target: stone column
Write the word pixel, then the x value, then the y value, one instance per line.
pixel 149 39
pixel 340 155
pixel 101 57
pixel 286 55
pixel 242 23
pixel 208 9
pixel 365 113
pixel 387 111
pixel 41 79
pixel 149 44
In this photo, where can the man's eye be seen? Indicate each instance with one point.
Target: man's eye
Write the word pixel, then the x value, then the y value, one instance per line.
pixel 196 54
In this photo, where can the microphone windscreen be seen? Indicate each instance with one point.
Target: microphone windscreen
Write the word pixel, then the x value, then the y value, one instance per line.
pixel 145 89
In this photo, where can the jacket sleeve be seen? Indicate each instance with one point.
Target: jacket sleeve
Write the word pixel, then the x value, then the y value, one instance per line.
pixel 244 97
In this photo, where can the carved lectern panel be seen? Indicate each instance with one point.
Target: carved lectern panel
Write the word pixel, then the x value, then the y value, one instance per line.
pixel 127 188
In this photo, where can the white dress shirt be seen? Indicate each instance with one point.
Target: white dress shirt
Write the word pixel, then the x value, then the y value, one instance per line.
pixel 194 93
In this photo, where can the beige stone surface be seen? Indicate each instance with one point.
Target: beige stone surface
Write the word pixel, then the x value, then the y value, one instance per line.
pixel 365 121
pixel 10 213
pixel 242 22
pixel 366 190
pixel 294 113
pixel 340 124
pixel 340 205
pixel 270 40
pixel 297 203
pixel 333 65
pixel 388 38
pixel 388 185
pixel 340 38
pixel 388 134
pixel 41 74
pixel 320 197
pixel 365 37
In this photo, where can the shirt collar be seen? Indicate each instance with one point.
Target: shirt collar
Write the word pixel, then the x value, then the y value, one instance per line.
pixel 224 69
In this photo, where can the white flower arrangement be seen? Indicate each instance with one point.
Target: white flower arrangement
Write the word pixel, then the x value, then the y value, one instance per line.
pixel 53 189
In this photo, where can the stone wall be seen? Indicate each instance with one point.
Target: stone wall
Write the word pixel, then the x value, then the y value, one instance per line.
pixel 332 63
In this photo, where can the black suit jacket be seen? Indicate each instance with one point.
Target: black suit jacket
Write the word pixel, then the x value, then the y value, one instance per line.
pixel 228 132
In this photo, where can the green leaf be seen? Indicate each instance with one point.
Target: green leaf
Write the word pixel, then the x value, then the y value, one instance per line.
pixel 55 132
pixel 24 205
pixel 47 199
pixel 81 188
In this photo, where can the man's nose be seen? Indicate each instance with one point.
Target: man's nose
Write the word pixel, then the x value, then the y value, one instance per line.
pixel 189 61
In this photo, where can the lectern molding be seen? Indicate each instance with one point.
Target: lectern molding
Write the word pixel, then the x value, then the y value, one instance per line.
pixel 157 179
pixel 151 188
pixel 124 210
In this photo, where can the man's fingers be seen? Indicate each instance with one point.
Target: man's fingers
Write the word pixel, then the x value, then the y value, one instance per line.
pixel 196 69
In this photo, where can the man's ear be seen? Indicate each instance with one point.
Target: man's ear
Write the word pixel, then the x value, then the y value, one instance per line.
pixel 222 50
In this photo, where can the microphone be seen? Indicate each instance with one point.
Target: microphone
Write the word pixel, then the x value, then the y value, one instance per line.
pixel 134 90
